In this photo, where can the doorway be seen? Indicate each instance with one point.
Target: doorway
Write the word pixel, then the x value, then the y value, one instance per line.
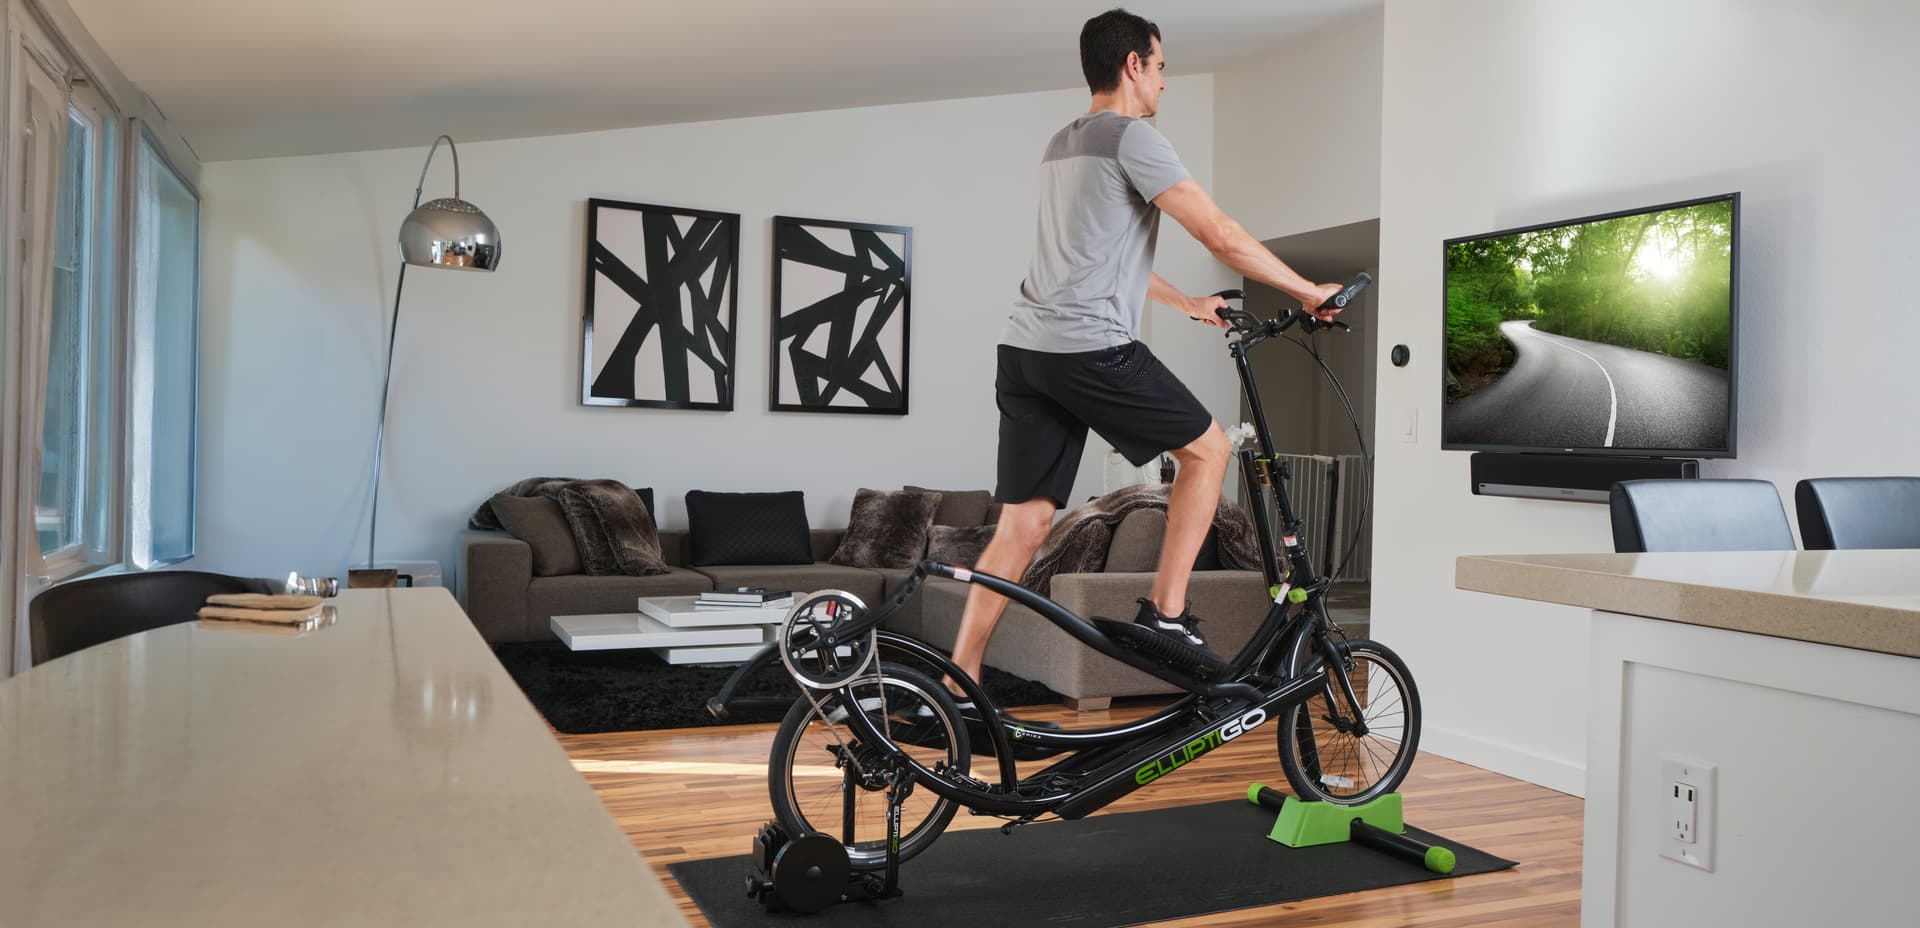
pixel 1311 427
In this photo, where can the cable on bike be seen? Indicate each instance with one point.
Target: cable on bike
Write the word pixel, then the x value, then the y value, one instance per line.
pixel 1366 460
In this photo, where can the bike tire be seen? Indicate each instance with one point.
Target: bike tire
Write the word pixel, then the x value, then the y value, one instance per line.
pixel 807 798
pixel 1324 763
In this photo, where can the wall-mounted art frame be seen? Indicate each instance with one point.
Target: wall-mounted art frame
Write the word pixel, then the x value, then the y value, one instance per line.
pixel 841 301
pixel 662 298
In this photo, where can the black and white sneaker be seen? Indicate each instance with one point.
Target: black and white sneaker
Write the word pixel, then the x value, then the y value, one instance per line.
pixel 1184 629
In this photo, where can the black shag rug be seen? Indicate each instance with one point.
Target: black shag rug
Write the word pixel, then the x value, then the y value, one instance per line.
pixel 587 692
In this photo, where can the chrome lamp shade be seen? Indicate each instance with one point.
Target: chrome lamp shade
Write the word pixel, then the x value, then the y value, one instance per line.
pixel 451 233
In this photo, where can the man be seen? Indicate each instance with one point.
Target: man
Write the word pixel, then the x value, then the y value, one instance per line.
pixel 1070 359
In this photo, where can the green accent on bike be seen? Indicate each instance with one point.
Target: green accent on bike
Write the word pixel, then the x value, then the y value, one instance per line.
pixel 1439 860
pixel 1311 824
pixel 1296 595
pixel 1253 792
pixel 1273 592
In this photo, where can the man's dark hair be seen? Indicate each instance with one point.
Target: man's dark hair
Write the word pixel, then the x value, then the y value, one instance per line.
pixel 1105 41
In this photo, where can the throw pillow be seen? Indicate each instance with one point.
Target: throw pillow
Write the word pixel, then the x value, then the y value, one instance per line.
pixel 959 545
pixel 484 518
pixel 538 521
pixel 1135 547
pixel 747 528
pixel 887 529
pixel 959 507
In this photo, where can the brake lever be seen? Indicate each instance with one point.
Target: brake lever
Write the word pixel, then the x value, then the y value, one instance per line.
pixel 1237 320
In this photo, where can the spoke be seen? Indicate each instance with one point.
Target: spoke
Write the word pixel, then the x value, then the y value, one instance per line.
pixel 1389 705
pixel 1376 758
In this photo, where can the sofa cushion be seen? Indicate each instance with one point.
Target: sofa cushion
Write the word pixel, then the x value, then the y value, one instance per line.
pixel 800 578
pixel 956 544
pixel 584 595
pixel 747 528
pixel 887 529
pixel 539 522
pixel 959 507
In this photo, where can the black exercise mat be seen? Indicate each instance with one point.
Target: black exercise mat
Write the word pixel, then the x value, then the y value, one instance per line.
pixel 1106 871
pixel 588 692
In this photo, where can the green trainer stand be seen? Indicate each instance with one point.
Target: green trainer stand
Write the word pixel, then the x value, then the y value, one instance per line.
pixel 1377 824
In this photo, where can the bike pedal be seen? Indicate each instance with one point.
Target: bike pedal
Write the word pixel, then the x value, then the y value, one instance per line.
pixel 1179 655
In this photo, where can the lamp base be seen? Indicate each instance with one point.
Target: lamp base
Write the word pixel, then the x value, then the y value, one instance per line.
pixel 372 578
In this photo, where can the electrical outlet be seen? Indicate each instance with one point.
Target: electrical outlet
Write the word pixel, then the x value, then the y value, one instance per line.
pixel 1686 804
pixel 1685 797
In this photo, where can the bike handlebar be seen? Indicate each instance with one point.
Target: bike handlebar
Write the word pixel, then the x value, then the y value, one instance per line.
pixel 1248 324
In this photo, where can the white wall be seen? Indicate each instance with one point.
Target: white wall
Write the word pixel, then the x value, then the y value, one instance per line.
pixel 299 269
pixel 1500 113
pixel 1297 130
pixel 1777 719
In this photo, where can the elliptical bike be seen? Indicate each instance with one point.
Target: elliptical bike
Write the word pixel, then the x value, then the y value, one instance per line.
pixel 875 758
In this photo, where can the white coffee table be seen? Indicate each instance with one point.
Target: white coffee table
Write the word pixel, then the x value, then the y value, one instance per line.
pixel 671 627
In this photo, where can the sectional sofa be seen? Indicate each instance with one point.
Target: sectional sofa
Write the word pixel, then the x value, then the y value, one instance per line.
pixel 498 589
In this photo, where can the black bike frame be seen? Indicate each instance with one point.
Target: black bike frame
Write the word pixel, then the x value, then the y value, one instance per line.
pixel 1283 665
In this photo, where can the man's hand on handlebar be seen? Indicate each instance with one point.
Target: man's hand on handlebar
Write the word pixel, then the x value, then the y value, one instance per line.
pixel 1206 309
pixel 1320 306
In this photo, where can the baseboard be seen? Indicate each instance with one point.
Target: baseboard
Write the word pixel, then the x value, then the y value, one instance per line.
pixel 1506 760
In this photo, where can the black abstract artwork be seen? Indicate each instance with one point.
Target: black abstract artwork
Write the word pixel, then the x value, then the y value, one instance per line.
pixel 662 294
pixel 840 308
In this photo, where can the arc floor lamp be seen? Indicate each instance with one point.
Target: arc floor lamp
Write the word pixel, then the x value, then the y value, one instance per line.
pixel 449 233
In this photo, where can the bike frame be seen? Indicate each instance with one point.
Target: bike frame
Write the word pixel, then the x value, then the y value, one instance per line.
pixel 1283 665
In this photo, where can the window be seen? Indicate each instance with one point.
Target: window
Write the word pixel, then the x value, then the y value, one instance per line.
pixel 74 505
pixel 164 348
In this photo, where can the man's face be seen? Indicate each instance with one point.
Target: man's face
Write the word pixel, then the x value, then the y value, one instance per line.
pixel 1152 79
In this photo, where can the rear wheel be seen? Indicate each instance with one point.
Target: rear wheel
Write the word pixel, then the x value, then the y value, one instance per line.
pixel 822 778
pixel 1347 755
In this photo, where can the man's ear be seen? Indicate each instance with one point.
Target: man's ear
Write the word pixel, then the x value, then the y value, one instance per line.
pixel 1134 65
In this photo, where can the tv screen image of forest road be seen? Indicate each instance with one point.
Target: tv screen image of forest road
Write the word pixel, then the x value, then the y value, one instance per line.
pixel 1611 333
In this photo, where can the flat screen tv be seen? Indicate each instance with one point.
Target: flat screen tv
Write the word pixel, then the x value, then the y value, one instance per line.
pixel 1610 334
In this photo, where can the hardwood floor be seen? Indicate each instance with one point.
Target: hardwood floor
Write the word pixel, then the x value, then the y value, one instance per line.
pixel 697 793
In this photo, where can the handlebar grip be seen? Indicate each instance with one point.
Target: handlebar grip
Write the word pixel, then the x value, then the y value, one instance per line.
pixel 1340 300
pixel 1231 295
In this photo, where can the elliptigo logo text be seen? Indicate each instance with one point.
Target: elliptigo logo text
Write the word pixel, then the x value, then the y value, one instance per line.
pixel 1181 755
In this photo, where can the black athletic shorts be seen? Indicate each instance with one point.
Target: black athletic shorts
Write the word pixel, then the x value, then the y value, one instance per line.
pixel 1048 401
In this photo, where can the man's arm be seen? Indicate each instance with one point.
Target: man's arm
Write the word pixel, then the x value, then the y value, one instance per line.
pixel 1198 307
pixel 1188 203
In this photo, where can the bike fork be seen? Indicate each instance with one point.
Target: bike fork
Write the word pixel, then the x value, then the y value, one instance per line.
pixel 1337 671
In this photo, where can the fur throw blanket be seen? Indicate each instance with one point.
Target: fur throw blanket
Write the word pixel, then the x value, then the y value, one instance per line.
pixel 1078 542
pixel 611 525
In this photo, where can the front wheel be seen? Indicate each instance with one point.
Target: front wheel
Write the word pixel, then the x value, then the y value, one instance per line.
pixel 1347 755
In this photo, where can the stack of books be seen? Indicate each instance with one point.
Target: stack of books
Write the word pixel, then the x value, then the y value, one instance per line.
pixel 745 597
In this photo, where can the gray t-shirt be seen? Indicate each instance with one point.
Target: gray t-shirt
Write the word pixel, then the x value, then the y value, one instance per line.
pixel 1087 285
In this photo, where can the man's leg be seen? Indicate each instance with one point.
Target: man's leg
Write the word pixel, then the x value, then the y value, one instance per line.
pixel 1021 528
pixel 1196 494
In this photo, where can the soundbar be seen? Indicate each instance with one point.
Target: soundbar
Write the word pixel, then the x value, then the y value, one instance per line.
pixel 1584 478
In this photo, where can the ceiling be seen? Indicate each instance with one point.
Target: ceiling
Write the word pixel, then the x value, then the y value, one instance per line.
pixel 259 78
